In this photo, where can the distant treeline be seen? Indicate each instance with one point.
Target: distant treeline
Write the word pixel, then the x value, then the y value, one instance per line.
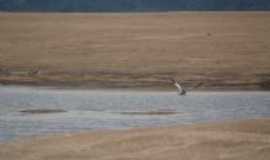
pixel 130 5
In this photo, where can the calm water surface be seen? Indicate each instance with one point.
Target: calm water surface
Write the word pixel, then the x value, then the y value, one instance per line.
pixel 88 110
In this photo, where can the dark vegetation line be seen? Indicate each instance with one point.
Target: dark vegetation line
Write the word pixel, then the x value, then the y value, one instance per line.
pixel 131 5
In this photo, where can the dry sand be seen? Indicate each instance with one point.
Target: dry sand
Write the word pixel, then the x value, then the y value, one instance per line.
pixel 242 140
pixel 220 49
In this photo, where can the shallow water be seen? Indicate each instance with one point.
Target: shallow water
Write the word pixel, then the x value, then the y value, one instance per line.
pixel 119 109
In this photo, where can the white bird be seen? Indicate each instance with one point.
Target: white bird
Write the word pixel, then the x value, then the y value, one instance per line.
pixel 180 89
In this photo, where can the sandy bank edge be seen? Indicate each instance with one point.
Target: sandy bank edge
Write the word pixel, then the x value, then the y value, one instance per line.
pixel 246 139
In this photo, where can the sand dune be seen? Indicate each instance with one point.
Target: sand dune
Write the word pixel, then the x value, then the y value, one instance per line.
pixel 245 140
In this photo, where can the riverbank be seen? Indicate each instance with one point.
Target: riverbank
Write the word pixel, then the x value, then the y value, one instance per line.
pixel 246 139
pixel 141 85
pixel 203 50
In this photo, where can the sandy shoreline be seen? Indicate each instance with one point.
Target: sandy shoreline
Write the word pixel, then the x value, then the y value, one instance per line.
pixel 165 88
pixel 218 49
pixel 245 140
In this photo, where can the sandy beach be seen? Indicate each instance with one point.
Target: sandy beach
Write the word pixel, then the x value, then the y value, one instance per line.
pixel 245 140
pixel 203 50
pixel 221 50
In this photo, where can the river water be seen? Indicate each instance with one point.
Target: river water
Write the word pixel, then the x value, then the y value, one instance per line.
pixel 88 110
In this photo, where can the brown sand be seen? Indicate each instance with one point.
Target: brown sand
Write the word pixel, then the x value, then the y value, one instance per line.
pixel 244 140
pixel 220 49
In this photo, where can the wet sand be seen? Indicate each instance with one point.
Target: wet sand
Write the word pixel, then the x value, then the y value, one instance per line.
pixel 245 140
